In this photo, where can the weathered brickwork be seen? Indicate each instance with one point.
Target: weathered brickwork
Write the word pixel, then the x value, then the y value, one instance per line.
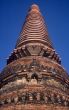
pixel 33 107
pixel 34 78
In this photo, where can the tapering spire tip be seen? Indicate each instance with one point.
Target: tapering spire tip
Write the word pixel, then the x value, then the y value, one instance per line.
pixel 35 7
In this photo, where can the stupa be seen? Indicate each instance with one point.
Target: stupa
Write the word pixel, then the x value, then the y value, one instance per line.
pixel 34 78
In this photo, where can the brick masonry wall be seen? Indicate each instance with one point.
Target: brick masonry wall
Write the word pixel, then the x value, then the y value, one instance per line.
pixel 33 107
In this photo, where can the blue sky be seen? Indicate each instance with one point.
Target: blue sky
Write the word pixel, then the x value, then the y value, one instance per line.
pixel 56 15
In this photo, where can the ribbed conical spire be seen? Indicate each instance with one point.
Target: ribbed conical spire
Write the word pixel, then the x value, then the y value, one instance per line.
pixel 34 29
pixel 34 39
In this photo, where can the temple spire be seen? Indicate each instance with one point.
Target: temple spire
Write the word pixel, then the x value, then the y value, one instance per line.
pixel 33 78
pixel 34 29
pixel 34 39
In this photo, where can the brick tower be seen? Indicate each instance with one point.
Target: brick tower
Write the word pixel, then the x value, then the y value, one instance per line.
pixel 33 78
